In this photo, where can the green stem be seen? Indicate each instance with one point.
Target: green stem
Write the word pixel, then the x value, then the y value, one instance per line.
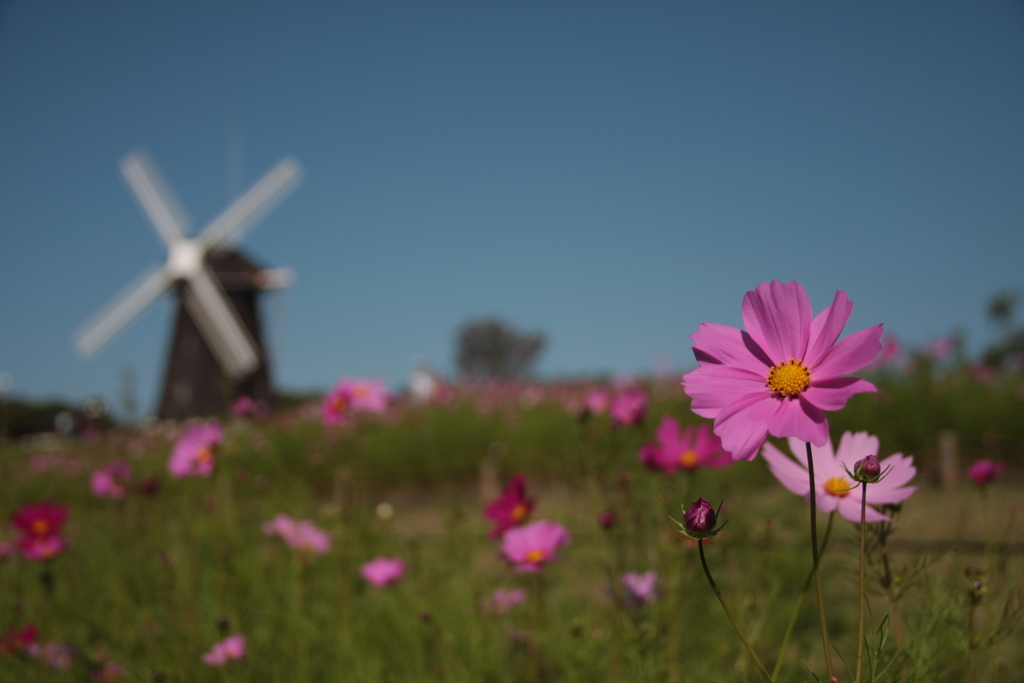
pixel 863 597
pixel 718 593
pixel 814 555
pixel 800 602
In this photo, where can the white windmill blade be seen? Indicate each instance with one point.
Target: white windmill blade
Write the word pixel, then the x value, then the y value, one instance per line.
pixel 156 198
pixel 122 309
pixel 230 227
pixel 220 325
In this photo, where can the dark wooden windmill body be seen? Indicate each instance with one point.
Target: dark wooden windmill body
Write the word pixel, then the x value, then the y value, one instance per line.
pixel 194 383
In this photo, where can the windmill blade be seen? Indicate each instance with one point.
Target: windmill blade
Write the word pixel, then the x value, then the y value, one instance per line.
pixel 122 309
pixel 156 198
pixel 230 227
pixel 220 325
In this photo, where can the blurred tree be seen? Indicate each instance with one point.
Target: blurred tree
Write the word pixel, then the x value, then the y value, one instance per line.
pixel 1010 347
pixel 491 349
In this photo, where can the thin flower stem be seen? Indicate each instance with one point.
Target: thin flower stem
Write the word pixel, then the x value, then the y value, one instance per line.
pixel 714 587
pixel 814 555
pixel 800 602
pixel 863 597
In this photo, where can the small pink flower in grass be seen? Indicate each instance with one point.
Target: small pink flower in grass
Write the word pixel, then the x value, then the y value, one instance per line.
pixel 368 395
pixel 596 402
pixel 688 449
pixel 111 481
pixel 984 472
pixel 511 509
pixel 529 547
pixel 833 486
pixel 55 655
pixel 629 408
pixel 383 571
pixel 504 600
pixel 640 588
pixel 302 535
pixel 231 648
pixel 193 453
pixel 40 525
pixel 781 373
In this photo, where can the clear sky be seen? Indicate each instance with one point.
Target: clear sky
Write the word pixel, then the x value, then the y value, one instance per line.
pixel 609 173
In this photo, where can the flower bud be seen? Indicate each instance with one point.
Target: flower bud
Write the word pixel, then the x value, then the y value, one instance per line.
pixel 867 470
pixel 607 519
pixel 700 519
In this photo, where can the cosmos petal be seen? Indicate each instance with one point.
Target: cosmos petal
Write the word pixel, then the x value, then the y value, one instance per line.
pixel 778 317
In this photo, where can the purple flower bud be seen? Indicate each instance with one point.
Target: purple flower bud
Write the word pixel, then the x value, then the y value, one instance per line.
pixel 984 472
pixel 867 470
pixel 700 519
pixel 607 519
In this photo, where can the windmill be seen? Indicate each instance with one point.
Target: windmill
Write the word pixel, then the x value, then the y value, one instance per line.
pixel 216 349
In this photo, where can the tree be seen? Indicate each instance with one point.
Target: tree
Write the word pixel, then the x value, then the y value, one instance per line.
pixel 491 349
pixel 1010 346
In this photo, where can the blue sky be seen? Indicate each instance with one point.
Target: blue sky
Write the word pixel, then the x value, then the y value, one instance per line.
pixel 609 173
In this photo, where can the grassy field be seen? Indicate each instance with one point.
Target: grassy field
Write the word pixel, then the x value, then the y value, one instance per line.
pixel 152 581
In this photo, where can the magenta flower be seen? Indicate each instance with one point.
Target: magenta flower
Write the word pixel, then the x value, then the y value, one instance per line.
pixel 302 535
pixel 529 547
pixel 984 472
pixel 511 508
pixel 781 373
pixel 111 481
pixel 629 408
pixel 383 571
pixel 693 447
pixel 40 525
pixel 833 486
pixel 504 600
pixel 641 589
pixel 336 405
pixel 17 640
pixel 193 453
pixel 231 648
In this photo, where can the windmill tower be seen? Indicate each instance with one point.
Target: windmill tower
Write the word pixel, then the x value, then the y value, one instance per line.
pixel 217 349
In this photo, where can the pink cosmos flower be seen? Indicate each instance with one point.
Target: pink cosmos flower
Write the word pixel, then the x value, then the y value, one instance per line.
pixel 354 396
pixel 232 647
pixel 531 546
pixel 511 509
pixel 781 373
pixel 382 571
pixel 302 535
pixel 193 453
pixel 693 447
pixel 640 588
pixel 984 472
pixel 110 481
pixel 55 655
pixel 504 600
pixel 596 402
pixel 834 488
pixel 629 407
pixel 40 525
pixel 368 395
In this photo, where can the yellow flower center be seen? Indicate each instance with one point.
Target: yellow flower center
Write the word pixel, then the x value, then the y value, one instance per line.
pixel 838 487
pixel 519 512
pixel 40 527
pixel 339 403
pixel 789 378
pixel 688 459
pixel 535 556
pixel 204 455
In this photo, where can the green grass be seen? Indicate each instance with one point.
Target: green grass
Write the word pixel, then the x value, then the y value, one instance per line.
pixel 147 579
